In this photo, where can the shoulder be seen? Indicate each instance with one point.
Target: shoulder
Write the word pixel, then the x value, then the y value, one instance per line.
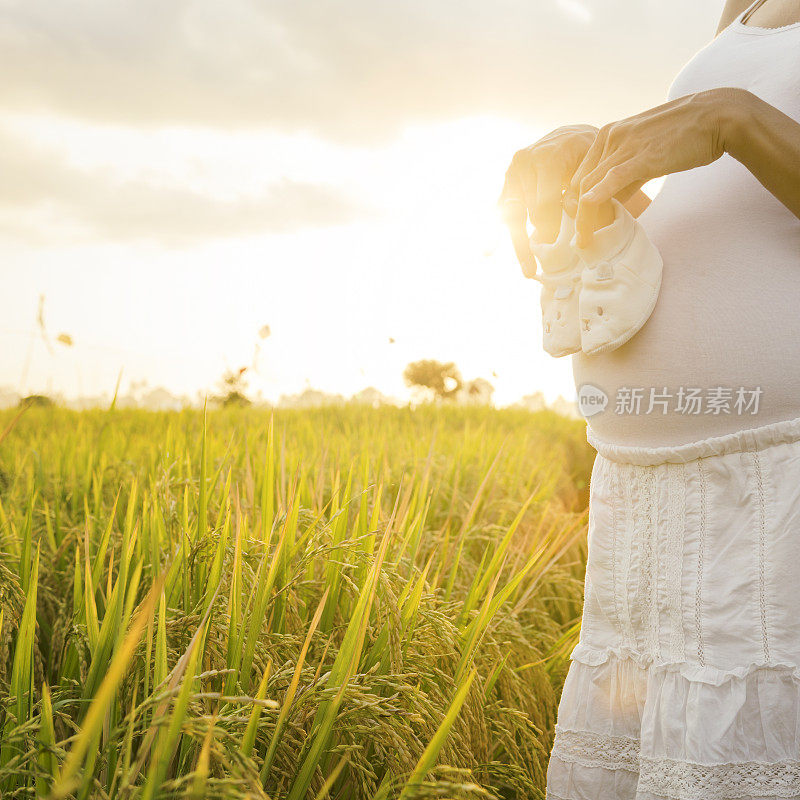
pixel 732 10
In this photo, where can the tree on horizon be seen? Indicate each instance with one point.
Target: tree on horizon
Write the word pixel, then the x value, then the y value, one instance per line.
pixel 443 379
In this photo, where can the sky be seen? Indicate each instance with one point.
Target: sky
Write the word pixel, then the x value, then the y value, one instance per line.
pixel 176 176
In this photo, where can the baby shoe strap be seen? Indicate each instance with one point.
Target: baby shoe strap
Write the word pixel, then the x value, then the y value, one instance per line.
pixel 608 242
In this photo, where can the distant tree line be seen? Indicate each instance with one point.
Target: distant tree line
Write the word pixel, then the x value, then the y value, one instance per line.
pixel 443 381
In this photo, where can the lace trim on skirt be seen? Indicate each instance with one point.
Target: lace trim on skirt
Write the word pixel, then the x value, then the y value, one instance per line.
pixel 675 779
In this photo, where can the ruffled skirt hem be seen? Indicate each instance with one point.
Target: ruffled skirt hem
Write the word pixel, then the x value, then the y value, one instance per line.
pixel 632 730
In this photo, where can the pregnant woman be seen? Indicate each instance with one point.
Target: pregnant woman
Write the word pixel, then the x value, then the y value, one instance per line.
pixel 686 681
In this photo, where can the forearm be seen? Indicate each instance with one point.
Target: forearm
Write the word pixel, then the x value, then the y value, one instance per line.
pixel 766 141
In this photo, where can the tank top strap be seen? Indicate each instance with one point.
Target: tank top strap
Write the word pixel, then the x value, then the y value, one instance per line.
pixel 749 10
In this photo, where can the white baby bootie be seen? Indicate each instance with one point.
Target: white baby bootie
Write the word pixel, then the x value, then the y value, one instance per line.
pixel 596 298
pixel 620 283
pixel 561 281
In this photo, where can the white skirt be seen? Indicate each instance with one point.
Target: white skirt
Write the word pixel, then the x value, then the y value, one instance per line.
pixel 686 680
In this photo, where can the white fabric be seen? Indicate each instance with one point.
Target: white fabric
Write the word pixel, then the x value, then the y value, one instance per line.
pixel 619 285
pixel 728 311
pixel 686 681
pixel 561 278
pixel 596 298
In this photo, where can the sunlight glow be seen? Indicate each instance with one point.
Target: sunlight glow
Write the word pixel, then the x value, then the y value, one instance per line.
pixel 177 183
pixel 576 10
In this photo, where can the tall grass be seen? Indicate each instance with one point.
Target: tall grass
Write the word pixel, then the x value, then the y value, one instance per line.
pixel 344 603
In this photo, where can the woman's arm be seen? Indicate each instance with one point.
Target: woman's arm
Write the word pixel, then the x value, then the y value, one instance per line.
pixel 683 134
pixel 767 142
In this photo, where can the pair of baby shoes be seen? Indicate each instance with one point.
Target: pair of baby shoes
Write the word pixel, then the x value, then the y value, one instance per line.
pixel 594 299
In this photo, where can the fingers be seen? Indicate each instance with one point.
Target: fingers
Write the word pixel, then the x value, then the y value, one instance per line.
pixel 515 215
pixel 589 163
pixel 630 192
pixel 518 229
pixel 541 182
pixel 605 182
pixel 511 195
pixel 606 171
pixel 524 170
pixel 547 209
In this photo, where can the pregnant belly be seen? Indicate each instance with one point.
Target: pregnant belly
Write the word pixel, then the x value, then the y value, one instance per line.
pixel 721 351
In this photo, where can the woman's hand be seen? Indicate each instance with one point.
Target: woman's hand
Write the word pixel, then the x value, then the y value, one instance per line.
pixel 679 135
pixel 534 185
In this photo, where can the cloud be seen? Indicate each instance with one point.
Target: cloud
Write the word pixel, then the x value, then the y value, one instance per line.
pixel 355 69
pixel 577 10
pixel 45 199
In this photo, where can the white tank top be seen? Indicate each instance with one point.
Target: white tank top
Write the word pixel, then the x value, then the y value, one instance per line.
pixel 727 321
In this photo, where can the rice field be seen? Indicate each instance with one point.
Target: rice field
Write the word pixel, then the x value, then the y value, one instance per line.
pixel 344 602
